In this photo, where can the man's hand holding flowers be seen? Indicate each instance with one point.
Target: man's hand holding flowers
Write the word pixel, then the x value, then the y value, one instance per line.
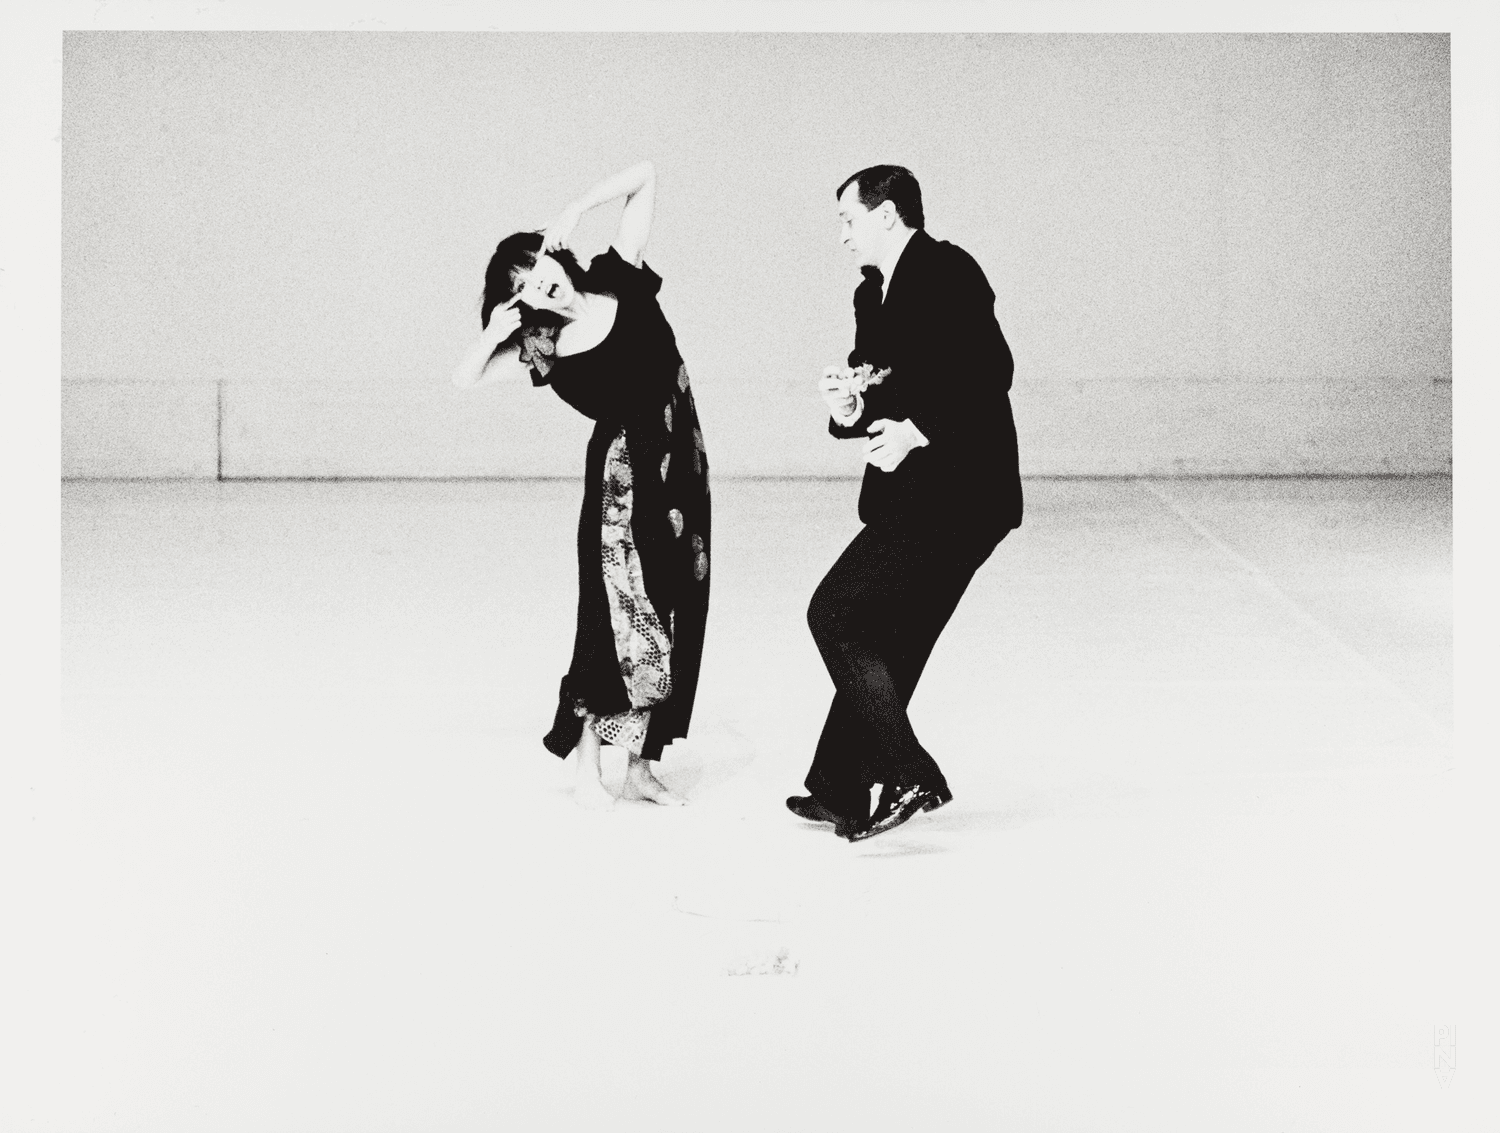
pixel 843 390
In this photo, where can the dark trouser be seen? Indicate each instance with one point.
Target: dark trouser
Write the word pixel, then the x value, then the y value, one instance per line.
pixel 876 616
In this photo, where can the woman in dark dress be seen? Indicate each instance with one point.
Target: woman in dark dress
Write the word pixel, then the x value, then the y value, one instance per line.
pixel 598 337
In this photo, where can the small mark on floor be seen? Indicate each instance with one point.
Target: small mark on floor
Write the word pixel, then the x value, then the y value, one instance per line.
pixel 779 963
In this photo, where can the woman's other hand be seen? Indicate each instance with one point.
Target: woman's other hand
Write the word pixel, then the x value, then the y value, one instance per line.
pixel 480 365
pixel 505 320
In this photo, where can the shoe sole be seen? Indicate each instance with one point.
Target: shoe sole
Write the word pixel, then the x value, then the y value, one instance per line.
pixel 887 829
pixel 815 821
pixel 828 817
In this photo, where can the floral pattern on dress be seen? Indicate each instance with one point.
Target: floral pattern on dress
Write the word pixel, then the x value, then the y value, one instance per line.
pixel 642 644
pixel 680 408
pixel 539 351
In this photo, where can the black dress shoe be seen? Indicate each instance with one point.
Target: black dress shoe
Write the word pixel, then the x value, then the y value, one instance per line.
pixel 898 805
pixel 940 796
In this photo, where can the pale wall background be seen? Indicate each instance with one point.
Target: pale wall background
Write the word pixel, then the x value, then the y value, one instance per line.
pixel 1212 253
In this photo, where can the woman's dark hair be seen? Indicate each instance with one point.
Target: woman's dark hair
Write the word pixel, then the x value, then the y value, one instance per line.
pixel 894 183
pixel 515 254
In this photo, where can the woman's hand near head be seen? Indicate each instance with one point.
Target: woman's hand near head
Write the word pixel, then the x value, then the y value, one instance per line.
pixel 560 230
pixel 505 320
pixel 638 186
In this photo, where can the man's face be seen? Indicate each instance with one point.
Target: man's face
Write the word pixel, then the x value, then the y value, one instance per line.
pixel 861 230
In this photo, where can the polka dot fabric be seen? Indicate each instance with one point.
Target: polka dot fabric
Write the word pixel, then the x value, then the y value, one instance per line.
pixel 642 644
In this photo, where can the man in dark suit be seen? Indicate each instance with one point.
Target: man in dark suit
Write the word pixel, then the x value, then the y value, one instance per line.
pixel 941 488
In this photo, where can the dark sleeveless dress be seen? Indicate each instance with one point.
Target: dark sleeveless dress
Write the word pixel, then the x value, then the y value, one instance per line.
pixel 635 388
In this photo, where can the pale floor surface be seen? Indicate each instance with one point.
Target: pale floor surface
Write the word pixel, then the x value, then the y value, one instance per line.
pixel 319 874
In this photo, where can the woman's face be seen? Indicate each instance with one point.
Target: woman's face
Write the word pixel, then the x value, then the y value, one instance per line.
pixel 546 287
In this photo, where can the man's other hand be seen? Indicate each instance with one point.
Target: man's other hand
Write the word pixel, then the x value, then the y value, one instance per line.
pixel 890 441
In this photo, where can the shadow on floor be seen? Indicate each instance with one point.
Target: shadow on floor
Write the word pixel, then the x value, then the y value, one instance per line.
pixel 968 821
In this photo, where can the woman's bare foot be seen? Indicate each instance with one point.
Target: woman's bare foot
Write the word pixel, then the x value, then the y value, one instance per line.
pixel 643 786
pixel 588 788
pixel 591 794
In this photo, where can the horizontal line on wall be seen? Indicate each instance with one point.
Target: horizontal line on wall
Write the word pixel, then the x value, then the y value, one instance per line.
pixel 398 479
pixel 397 388
pixel 140 480
pixel 1246 476
pixel 738 479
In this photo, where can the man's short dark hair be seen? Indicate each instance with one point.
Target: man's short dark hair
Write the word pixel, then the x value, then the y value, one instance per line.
pixel 893 183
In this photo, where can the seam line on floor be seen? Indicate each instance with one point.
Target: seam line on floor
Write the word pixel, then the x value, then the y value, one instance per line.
pixel 1351 654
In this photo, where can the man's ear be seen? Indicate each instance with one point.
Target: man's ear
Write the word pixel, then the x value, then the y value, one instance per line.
pixel 888 217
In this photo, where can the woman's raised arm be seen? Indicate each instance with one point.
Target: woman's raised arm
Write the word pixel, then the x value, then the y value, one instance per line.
pixel 638 186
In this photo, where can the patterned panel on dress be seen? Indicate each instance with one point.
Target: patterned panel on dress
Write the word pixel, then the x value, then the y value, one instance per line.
pixel 625 730
pixel 642 645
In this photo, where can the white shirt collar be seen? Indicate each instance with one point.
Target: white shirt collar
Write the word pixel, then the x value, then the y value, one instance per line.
pixel 887 266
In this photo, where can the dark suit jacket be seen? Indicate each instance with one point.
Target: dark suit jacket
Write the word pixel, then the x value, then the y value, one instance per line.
pixel 950 374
